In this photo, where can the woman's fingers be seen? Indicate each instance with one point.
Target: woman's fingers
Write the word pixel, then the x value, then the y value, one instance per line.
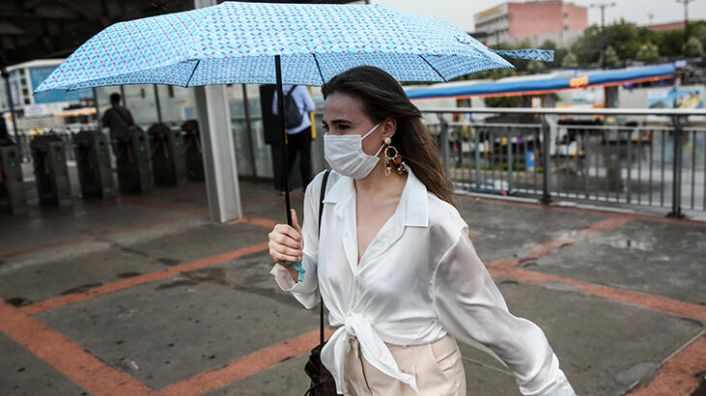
pixel 283 253
pixel 286 235
pixel 279 248
pixel 289 231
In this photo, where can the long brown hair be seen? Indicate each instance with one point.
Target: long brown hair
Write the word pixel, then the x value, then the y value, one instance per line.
pixel 383 98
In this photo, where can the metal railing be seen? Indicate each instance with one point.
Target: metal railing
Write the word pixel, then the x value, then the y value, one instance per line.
pixel 654 158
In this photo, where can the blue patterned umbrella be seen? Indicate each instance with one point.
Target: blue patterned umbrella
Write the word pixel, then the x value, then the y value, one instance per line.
pixel 305 44
pixel 237 42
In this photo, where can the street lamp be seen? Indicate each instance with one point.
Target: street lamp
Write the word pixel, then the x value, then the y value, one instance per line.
pixel 602 6
pixel 686 21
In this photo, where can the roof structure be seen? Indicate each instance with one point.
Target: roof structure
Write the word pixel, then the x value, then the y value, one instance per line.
pixel 545 83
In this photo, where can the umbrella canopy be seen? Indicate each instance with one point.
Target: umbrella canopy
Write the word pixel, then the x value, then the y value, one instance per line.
pixel 236 42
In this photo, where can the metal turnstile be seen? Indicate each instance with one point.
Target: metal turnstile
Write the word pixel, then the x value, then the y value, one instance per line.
pixel 192 150
pixel 50 170
pixel 132 155
pixel 93 163
pixel 13 199
pixel 167 154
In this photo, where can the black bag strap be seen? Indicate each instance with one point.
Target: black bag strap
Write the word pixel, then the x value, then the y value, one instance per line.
pixel 120 115
pixel 321 212
pixel 291 90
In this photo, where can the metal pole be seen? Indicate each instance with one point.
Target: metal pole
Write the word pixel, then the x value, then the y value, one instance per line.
pixel 602 7
pixel 280 105
pixel 546 162
pixel 444 143
pixel 122 95
pixel 248 128
pixel 156 103
pixel 11 104
pixel 476 136
pixel 676 171
pixel 98 110
pixel 686 21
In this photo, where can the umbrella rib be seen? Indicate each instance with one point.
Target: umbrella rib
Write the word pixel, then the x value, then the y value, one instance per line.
pixel 192 72
pixel 433 68
pixel 323 81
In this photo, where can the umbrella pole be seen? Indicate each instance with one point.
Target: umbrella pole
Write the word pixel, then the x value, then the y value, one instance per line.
pixel 280 106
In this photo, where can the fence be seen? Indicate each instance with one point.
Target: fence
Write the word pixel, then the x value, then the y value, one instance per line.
pixel 655 158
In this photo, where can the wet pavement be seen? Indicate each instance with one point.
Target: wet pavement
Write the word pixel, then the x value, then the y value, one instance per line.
pixel 143 295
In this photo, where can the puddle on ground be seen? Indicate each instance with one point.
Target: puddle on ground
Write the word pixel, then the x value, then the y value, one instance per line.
pixel 168 261
pixel 176 283
pixel 18 301
pixel 192 278
pixel 125 275
pixel 621 242
pixel 82 288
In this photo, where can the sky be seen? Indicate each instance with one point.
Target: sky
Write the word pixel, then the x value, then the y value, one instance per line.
pixel 460 12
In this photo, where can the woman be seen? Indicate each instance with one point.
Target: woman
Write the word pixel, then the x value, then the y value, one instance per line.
pixel 398 272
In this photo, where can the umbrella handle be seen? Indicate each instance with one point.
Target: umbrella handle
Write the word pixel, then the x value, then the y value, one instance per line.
pixel 280 106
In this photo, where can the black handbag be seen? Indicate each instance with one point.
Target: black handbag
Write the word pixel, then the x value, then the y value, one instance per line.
pixel 322 382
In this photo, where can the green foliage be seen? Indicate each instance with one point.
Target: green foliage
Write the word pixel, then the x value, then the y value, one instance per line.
pixel 611 57
pixel 535 67
pixel 587 48
pixel 700 33
pixel 570 61
pixel 694 48
pixel 623 38
pixel 671 43
pixel 649 53
pixel 646 35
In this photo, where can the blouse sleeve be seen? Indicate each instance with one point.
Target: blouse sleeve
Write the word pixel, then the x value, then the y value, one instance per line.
pixel 305 291
pixel 470 306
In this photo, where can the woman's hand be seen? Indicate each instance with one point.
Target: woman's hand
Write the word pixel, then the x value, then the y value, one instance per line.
pixel 285 241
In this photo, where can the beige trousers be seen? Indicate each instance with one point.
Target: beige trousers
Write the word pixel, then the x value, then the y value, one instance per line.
pixel 437 367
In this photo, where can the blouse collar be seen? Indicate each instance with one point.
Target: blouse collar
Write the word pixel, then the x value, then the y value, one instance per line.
pixel 414 203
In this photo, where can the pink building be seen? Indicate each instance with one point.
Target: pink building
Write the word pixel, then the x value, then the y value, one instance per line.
pixel 535 21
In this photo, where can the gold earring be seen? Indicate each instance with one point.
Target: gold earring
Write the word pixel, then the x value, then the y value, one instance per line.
pixel 393 158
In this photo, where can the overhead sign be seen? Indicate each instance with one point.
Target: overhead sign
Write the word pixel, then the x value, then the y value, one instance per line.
pixel 39 74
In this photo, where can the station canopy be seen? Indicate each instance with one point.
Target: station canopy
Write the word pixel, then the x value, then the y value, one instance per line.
pixel 545 83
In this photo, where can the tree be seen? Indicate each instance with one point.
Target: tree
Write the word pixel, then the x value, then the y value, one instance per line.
pixel 611 57
pixel 649 53
pixel 535 67
pixel 559 56
pixel 570 61
pixel 587 48
pixel 646 35
pixel 624 39
pixel 700 33
pixel 671 43
pixel 693 48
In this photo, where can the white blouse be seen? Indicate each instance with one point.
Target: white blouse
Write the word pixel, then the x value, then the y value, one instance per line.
pixel 418 279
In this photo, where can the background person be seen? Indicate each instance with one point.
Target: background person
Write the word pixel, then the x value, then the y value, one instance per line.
pixel 299 136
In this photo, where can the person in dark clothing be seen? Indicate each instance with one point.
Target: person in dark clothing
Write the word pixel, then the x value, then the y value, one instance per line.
pixel 117 117
pixel 5 139
pixel 298 137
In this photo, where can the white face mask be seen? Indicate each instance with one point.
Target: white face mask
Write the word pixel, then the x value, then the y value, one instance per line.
pixel 345 155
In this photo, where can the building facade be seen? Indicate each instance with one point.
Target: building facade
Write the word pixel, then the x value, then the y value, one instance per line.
pixel 40 110
pixel 535 21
